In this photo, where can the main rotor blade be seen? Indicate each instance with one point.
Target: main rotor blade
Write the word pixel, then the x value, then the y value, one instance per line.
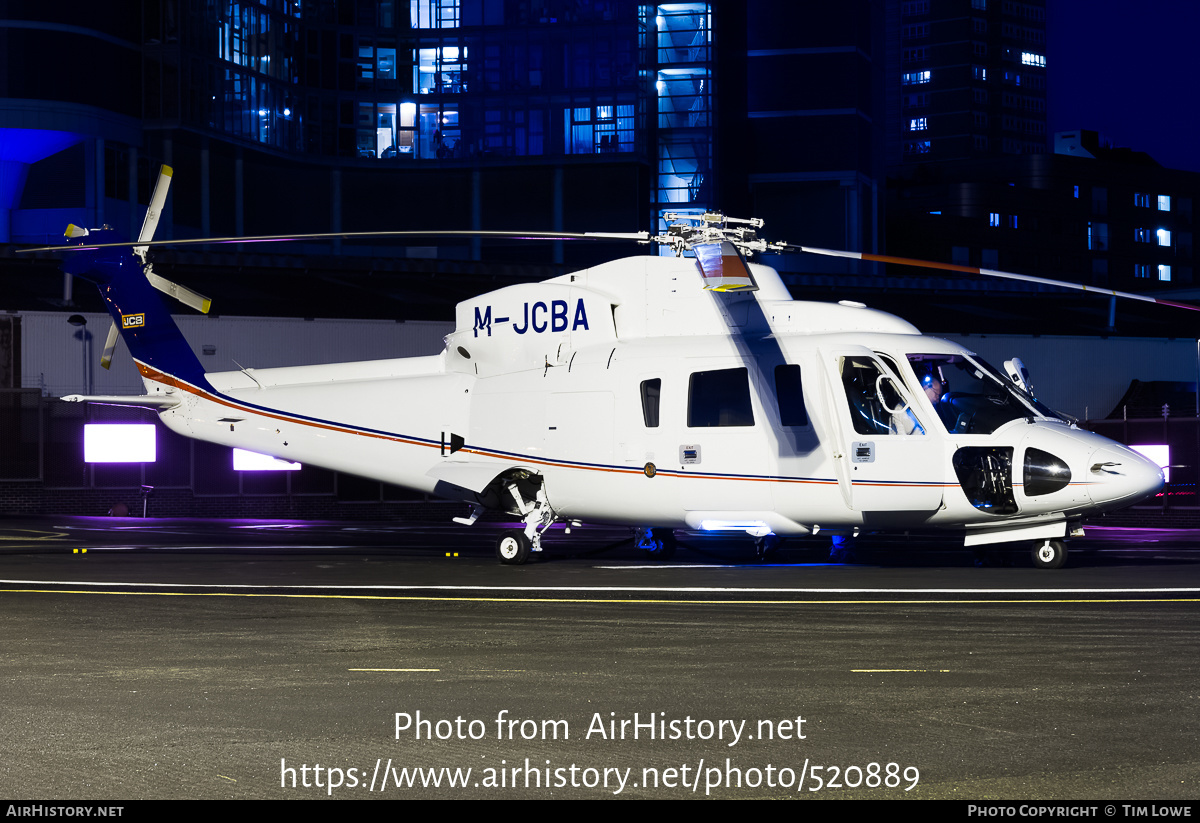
pixel 640 237
pixel 157 200
pixel 1007 275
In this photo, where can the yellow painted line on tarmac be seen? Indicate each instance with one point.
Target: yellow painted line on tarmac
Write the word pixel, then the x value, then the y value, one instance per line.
pixel 629 601
pixel 920 671
pixel 393 670
pixel 10 534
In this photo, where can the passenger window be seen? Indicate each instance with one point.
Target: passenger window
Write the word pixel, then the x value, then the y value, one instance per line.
pixel 651 390
pixel 719 398
pixel 790 396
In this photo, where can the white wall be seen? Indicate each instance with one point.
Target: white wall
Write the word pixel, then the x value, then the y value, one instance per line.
pixel 1086 376
pixel 53 356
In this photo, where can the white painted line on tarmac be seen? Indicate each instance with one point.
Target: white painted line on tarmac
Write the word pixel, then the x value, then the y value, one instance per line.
pixel 661 589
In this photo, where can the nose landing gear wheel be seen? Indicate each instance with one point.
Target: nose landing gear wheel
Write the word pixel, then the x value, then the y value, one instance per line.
pixel 1049 554
pixel 512 547
pixel 766 546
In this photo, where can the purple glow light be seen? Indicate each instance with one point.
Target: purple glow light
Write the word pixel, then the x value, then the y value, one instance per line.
pixel 119 443
pixel 245 461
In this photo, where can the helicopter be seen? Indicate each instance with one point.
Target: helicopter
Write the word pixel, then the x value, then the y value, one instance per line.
pixel 659 392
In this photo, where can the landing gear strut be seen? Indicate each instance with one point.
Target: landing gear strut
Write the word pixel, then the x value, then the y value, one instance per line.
pixel 766 545
pixel 1049 554
pixel 529 494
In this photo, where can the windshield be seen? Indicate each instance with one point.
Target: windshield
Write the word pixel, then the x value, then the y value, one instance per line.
pixel 971 397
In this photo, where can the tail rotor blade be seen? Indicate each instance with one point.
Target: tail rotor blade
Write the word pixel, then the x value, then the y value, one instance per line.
pixel 157 201
pixel 110 345
pixel 181 293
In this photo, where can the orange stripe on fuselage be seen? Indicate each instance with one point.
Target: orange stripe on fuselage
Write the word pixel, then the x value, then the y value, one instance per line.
pixel 160 377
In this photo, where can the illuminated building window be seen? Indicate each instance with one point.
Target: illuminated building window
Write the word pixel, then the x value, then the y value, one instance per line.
pixel 598 129
pixel 915 78
pixel 439 135
pixel 1163 236
pixel 917 124
pixel 683 98
pixel 1164 202
pixel 684 33
pixel 1012 221
pixel 1164 273
pixel 434 14
pixel 1142 200
pixel 917 147
pixel 440 71
pixel 1143 235
pixel 1028 58
pixel 1142 270
pixel 1098 236
pixel 979 73
pixel 994 219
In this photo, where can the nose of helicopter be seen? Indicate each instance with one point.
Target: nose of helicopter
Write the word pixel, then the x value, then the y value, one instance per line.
pixel 1121 476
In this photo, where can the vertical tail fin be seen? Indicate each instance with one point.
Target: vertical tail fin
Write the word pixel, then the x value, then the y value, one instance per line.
pixel 130 286
pixel 137 309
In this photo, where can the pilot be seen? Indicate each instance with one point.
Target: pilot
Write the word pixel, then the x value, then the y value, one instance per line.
pixel 937 391
pixel 933 388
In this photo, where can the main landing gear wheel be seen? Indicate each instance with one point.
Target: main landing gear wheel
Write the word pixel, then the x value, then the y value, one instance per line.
pixel 513 547
pixel 658 544
pixel 1049 554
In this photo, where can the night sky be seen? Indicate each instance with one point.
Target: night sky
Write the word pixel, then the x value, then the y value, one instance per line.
pixel 1129 71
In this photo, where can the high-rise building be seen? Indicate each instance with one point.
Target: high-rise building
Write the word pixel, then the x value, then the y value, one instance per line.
pixel 330 115
pixel 967 79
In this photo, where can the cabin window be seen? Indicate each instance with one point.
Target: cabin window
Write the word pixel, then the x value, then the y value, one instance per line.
pixel 651 391
pixel 790 396
pixel 877 405
pixel 719 398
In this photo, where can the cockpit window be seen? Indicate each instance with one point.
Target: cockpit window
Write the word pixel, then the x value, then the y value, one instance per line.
pixel 970 396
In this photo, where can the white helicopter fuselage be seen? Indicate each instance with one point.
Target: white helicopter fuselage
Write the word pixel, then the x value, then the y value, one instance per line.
pixel 636 397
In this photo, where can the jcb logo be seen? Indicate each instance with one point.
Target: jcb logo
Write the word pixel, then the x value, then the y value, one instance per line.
pixel 133 321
